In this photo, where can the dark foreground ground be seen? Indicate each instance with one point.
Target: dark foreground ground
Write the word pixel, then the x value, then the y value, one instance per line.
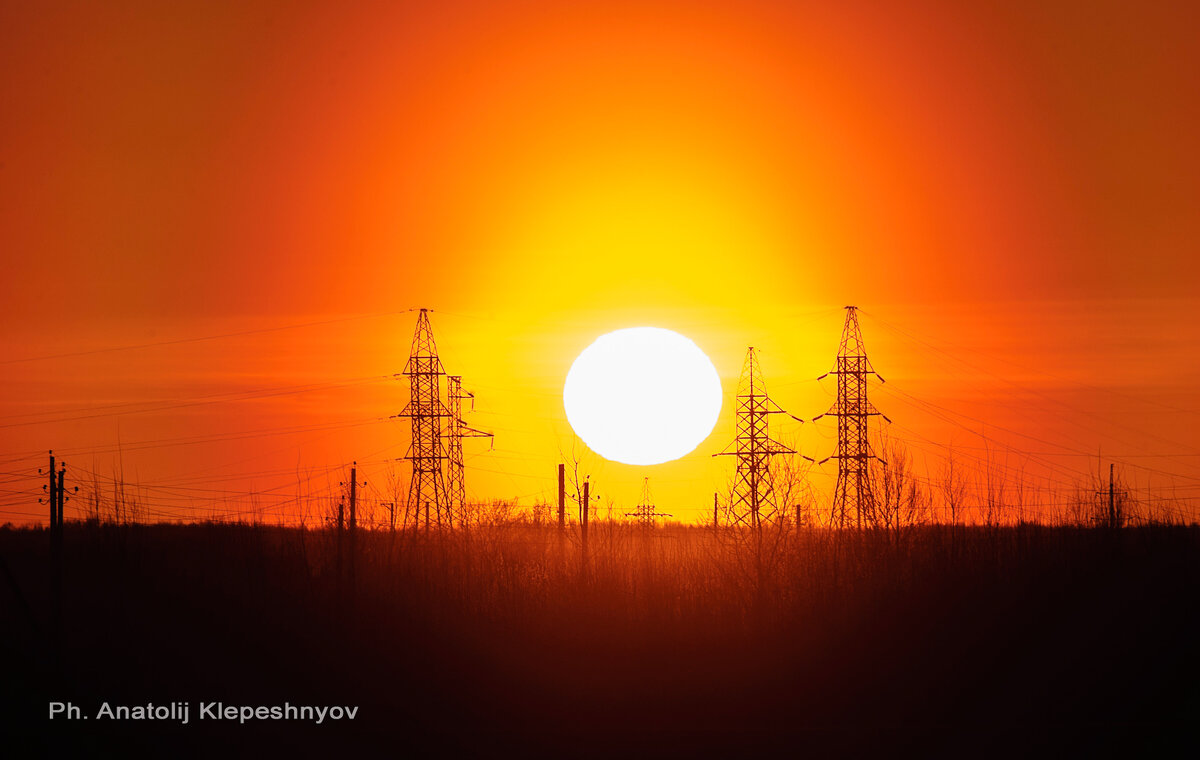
pixel 965 642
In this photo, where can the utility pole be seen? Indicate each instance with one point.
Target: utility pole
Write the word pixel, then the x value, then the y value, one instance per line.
pixel 1115 519
pixel 715 521
pixel 853 490
pixel 51 492
pixel 57 493
pixel 61 497
pixel 584 508
pixel 54 494
pixel 562 497
pixel 1112 503
pixel 353 494
pixel 61 493
pixel 341 529
pixel 353 523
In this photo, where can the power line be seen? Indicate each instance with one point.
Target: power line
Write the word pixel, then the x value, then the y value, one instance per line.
pixel 179 341
pixel 894 390
pixel 235 396
pixel 904 334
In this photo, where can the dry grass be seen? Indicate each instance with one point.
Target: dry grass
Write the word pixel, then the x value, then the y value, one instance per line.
pixel 454 639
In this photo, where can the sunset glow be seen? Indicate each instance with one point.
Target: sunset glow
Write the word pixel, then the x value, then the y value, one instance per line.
pixel 1014 215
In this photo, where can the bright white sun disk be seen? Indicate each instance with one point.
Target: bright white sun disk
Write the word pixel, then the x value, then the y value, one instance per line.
pixel 643 395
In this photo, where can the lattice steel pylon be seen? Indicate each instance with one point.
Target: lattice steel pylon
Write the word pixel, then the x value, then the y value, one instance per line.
pixel 853 493
pixel 427 488
pixel 644 513
pixel 752 501
pixel 456 430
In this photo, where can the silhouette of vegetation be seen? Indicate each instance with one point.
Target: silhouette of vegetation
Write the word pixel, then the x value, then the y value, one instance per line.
pixel 913 631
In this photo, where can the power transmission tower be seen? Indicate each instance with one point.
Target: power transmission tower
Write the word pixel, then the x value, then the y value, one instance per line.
pixel 753 499
pixel 853 491
pixel 456 431
pixel 427 488
pixel 644 513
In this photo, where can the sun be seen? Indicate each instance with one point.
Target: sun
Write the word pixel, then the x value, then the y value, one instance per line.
pixel 642 396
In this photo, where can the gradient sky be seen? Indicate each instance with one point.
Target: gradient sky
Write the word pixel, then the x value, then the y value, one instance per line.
pixel 1011 193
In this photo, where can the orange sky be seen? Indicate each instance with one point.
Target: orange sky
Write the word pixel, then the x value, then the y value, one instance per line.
pixel 1016 185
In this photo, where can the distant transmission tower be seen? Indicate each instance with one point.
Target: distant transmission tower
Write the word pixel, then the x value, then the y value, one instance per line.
pixel 753 499
pixel 427 489
pixel 456 431
pixel 644 513
pixel 853 491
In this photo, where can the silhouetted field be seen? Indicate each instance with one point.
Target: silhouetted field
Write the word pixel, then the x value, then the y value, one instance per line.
pixel 937 639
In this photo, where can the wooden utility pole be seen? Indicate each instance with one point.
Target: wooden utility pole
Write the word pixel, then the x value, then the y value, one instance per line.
pixel 53 499
pixel 59 492
pixel 341 527
pixel 715 522
pixel 353 494
pixel 584 508
pixel 56 490
pixel 55 567
pixel 353 520
pixel 562 497
pixel 1114 519
pixel 1112 502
